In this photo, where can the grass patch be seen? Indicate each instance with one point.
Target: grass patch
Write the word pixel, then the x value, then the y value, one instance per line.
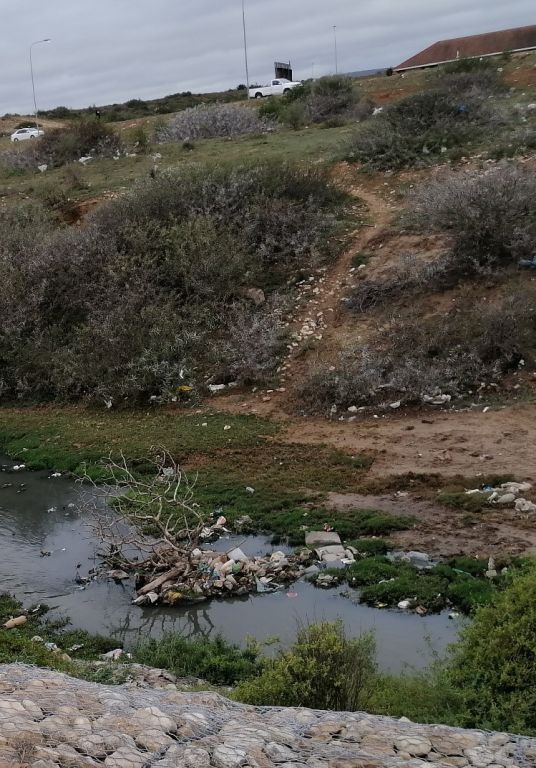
pixel 289 480
pixel 458 582
pixel 369 547
pixel 216 661
pixel 474 502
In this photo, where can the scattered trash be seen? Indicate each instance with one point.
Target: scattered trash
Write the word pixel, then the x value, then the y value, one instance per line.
pixel 42 168
pixel 404 605
pixel 113 655
pixel 436 399
pixel 56 474
pixel 227 427
pixel 75 648
pixel 396 405
pixel 17 622
pixel 523 505
pixel 213 388
pixel 18 467
pixel 454 615
pixel 118 575
pixel 249 489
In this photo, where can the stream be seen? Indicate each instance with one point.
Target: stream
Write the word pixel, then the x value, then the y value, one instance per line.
pixel 39 512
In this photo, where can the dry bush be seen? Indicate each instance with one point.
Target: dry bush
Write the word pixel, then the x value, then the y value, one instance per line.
pixel 414 356
pixel 410 277
pixel 214 121
pixel 490 216
pixel 79 139
pixel 19 159
pixel 148 295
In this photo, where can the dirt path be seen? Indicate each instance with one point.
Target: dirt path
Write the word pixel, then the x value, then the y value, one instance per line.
pixel 467 443
pixel 319 318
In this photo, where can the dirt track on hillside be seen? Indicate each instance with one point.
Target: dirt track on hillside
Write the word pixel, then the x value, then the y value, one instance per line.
pixel 465 442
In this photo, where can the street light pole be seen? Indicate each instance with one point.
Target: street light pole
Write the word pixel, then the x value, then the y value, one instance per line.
pixel 37 42
pixel 335 45
pixel 245 46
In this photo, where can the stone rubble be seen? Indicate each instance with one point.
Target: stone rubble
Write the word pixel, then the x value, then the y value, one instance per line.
pixel 49 720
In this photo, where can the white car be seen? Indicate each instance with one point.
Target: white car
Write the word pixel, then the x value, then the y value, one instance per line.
pixel 276 88
pixel 22 134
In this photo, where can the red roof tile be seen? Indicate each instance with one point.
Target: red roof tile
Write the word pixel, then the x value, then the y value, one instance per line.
pixel 516 39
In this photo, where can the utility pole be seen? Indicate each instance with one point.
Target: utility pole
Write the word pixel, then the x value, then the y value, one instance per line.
pixel 37 42
pixel 245 47
pixel 335 49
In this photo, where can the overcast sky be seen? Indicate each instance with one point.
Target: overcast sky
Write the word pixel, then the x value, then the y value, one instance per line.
pixel 105 51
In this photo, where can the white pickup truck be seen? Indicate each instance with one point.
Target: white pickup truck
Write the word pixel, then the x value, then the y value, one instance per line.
pixel 276 88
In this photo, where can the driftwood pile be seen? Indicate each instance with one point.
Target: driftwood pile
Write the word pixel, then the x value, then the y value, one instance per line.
pixel 207 574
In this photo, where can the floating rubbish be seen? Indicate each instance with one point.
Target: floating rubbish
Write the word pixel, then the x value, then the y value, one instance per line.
pixel 18 467
pixel 292 594
pixel 56 474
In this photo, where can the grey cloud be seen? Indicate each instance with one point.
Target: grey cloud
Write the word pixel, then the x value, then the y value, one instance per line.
pixel 111 50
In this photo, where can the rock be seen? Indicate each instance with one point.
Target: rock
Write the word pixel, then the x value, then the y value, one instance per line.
pixel 196 758
pixel 256 295
pixel 331 554
pixel 480 757
pixel 450 743
pixel 415 745
pixel 314 539
pixel 125 757
pixel 153 740
pixel 278 753
pixel 228 757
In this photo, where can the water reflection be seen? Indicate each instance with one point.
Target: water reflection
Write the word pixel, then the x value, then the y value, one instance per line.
pixel 27 528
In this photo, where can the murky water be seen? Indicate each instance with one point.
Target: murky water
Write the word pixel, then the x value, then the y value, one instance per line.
pixel 43 516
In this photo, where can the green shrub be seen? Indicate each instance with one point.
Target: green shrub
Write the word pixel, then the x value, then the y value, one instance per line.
pixel 322 670
pixel 421 588
pixel 216 661
pixel 422 696
pixel 494 665
pixel 371 570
